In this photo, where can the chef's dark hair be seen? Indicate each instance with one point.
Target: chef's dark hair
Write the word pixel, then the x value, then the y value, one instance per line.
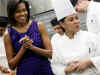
pixel 74 2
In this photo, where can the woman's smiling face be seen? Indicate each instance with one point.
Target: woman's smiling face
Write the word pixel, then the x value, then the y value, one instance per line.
pixel 21 14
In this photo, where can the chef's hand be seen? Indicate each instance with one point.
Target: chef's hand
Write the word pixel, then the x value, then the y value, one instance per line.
pixel 81 65
pixel 5 70
pixel 70 68
pixel 12 73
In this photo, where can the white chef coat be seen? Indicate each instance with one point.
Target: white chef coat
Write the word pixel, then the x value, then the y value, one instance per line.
pixel 3 58
pixel 93 17
pixel 65 50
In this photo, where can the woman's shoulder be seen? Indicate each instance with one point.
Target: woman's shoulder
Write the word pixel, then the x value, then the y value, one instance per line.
pixel 39 23
pixel 34 23
pixel 41 26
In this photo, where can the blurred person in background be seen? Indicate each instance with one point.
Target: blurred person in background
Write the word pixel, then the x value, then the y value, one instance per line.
pixel 59 30
pixel 4 69
pixel 57 27
pixel 93 16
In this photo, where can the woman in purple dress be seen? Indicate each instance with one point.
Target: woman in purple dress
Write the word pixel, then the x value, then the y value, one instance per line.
pixel 27 43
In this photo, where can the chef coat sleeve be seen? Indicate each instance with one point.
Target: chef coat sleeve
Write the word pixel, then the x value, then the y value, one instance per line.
pixel 95 52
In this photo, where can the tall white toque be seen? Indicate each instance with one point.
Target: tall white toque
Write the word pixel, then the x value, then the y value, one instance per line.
pixel 63 8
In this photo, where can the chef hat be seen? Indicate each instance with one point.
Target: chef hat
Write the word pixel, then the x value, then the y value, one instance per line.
pixel 63 8
pixel 3 21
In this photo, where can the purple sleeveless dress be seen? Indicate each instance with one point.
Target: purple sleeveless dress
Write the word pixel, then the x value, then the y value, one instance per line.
pixel 31 62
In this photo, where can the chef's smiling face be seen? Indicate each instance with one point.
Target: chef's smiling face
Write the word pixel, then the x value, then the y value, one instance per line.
pixel 58 29
pixel 72 23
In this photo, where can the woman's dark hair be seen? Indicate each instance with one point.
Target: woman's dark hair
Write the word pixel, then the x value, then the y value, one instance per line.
pixel 11 8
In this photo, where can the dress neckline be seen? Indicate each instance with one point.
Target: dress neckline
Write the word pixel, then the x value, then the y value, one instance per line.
pixel 23 32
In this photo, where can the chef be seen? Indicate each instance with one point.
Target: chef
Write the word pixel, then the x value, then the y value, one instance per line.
pixel 76 52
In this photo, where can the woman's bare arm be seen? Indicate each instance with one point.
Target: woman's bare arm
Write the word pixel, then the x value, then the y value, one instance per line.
pixel 46 42
pixel 12 60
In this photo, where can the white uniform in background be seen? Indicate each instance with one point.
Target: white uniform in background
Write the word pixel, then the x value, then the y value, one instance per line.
pixel 93 17
pixel 56 36
pixel 3 58
pixel 83 46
